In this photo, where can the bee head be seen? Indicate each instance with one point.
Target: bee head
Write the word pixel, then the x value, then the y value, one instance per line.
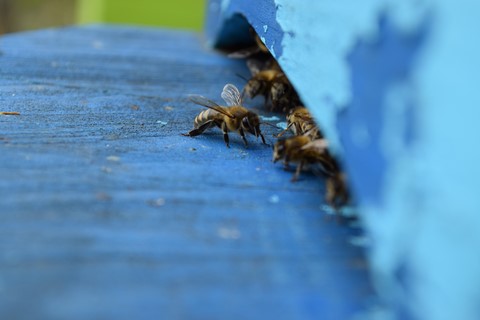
pixel 279 89
pixel 279 150
pixel 253 88
pixel 290 115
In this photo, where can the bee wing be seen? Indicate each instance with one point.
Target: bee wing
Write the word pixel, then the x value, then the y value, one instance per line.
pixel 231 95
pixel 201 100
pixel 319 145
pixel 245 53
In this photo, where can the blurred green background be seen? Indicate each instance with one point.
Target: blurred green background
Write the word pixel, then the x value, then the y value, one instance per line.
pixel 19 15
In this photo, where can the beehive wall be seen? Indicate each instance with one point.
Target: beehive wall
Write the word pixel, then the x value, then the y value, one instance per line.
pixel 392 84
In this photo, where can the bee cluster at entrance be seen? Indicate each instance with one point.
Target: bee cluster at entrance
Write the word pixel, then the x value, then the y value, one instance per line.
pixel 301 142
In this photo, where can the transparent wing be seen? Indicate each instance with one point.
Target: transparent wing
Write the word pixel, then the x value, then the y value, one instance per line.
pixel 245 53
pixel 319 145
pixel 201 100
pixel 231 95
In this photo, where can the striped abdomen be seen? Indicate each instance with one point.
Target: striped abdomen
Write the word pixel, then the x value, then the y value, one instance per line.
pixel 205 116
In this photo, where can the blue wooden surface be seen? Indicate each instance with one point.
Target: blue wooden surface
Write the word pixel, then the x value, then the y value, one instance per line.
pixel 107 212
pixel 394 87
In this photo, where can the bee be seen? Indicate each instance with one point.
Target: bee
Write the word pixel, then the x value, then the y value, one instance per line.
pixel 337 193
pixel 233 117
pixel 269 80
pixel 301 122
pixel 304 151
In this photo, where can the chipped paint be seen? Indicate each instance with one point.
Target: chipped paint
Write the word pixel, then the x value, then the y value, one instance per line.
pixel 229 233
pixel 224 5
pixel 425 126
pixel 432 227
pixel 272 50
pixel 282 125
pixel 272 118
pixel 423 190
pixel 274 199
pixel 326 88
pixel 113 158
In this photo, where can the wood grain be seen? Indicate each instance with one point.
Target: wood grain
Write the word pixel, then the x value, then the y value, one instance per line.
pixel 108 212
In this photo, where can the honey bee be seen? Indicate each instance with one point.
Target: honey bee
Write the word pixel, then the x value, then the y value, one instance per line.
pixel 304 151
pixel 337 193
pixel 301 122
pixel 233 117
pixel 283 96
pixel 269 80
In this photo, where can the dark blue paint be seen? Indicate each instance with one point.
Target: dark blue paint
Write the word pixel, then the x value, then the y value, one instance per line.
pixel 230 28
pixel 85 237
pixel 374 68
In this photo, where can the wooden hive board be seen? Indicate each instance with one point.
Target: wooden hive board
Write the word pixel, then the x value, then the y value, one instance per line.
pixel 108 212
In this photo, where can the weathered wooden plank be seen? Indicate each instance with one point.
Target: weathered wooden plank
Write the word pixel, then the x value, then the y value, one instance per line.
pixel 107 212
pixel 394 87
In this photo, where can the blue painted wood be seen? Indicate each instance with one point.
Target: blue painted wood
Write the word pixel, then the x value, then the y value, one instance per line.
pixel 107 212
pixel 375 67
pixel 228 23
pixel 394 88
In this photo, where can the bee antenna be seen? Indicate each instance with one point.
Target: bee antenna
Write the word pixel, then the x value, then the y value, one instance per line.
pixel 271 125
pixel 241 77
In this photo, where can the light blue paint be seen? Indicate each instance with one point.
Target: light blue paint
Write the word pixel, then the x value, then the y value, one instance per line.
pixel 272 50
pixel 376 67
pixel 271 118
pixel 429 212
pixel 224 5
pixel 325 88
pixel 422 208
pixel 329 31
pixel 433 221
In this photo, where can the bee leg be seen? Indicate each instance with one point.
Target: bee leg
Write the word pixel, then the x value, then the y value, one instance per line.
pixel 242 134
pixel 274 104
pixel 297 172
pixel 281 133
pixel 225 135
pixel 263 138
pixel 330 192
pixel 199 130
pixel 285 130
pixel 266 95
pixel 226 139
